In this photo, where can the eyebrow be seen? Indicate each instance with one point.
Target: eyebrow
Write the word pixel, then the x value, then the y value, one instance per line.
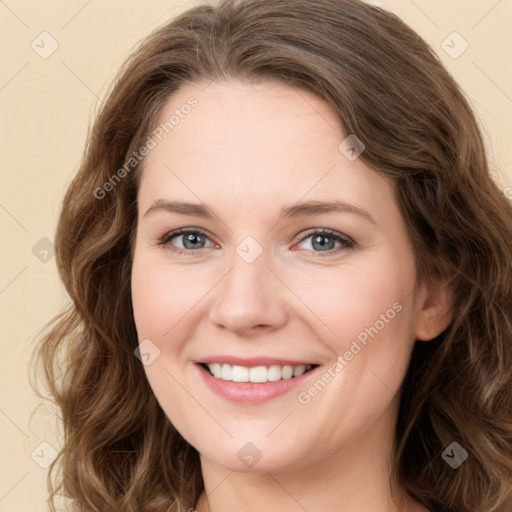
pixel 296 210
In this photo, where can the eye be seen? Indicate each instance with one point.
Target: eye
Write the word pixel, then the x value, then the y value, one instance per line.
pixel 325 239
pixel 191 239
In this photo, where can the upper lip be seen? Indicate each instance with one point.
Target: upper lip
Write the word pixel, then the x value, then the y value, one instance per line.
pixel 253 361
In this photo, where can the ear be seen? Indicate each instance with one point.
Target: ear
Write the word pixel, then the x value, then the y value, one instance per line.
pixel 435 303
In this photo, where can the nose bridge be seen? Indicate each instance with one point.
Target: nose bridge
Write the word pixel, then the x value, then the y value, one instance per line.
pixel 248 296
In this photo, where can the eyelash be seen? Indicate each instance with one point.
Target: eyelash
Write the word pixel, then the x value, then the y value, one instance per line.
pixel 347 243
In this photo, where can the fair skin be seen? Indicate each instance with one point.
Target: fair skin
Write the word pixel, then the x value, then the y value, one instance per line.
pixel 248 151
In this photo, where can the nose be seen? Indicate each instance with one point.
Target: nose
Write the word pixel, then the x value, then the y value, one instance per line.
pixel 250 298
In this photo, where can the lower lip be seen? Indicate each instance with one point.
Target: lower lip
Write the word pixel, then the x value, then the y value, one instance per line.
pixel 251 392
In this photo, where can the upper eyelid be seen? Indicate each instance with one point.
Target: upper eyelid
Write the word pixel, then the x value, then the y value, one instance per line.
pixel 183 231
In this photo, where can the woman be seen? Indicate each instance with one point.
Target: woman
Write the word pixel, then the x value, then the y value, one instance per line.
pixel 290 276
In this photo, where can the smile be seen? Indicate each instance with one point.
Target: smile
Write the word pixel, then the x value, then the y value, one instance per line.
pixel 259 374
pixel 253 381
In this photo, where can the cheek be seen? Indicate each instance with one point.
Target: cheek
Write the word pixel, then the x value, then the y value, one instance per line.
pixel 354 302
pixel 161 295
pixel 160 300
pixel 365 315
pixel 370 310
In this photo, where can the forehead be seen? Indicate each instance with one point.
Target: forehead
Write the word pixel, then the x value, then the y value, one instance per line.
pixel 253 144
pixel 238 115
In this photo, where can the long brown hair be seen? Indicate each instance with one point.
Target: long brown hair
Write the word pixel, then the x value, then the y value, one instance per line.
pixel 120 452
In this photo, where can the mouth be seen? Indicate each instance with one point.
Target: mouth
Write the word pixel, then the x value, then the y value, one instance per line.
pixel 260 374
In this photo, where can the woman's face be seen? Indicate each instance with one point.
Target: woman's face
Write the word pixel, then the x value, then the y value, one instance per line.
pixel 251 290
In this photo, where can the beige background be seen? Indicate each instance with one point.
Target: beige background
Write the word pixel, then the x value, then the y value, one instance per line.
pixel 46 107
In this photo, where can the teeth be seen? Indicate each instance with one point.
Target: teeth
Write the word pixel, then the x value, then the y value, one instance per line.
pixel 257 374
pixel 299 370
pixel 227 372
pixel 270 373
pixel 216 369
pixel 240 374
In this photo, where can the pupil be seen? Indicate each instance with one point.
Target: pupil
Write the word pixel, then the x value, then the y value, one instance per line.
pixel 320 239
pixel 191 238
